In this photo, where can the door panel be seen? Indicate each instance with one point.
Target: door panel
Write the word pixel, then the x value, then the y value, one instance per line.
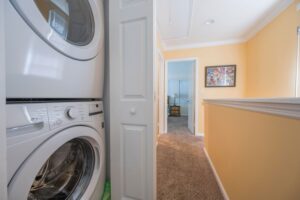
pixel 133 44
pixel 132 121
pixel 3 170
pixel 134 139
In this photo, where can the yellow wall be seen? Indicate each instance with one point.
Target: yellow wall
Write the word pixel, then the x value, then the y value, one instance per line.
pixel 256 155
pixel 271 57
pixel 266 64
pixel 210 56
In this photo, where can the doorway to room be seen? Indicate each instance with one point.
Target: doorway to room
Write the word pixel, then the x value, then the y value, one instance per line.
pixel 181 87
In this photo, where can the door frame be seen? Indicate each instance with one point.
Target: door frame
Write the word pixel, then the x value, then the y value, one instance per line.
pixel 196 95
pixel 161 79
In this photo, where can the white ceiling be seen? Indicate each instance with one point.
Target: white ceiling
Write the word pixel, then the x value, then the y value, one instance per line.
pixel 181 23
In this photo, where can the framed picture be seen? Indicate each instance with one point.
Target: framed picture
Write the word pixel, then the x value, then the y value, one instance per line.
pixel 220 76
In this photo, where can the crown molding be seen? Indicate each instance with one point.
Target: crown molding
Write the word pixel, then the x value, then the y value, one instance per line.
pixel 276 12
pixel 268 19
pixel 286 107
pixel 204 44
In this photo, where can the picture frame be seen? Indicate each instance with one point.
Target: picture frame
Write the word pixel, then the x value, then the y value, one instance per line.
pixel 220 76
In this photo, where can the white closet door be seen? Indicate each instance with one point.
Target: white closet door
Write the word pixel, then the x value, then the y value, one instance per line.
pixel 133 159
pixel 3 183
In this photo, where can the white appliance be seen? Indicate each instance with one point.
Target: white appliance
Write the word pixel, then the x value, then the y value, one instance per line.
pixel 55 150
pixel 54 48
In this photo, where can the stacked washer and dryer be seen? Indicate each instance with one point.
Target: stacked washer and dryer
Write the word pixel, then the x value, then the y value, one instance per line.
pixel 55 122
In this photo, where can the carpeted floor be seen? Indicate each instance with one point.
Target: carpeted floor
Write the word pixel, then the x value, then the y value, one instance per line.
pixel 178 125
pixel 183 170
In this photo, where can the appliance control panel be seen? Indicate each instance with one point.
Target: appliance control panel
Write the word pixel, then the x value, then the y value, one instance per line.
pixel 39 118
pixel 66 113
pixel 36 118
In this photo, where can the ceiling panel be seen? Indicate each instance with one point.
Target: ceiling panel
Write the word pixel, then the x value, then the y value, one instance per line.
pixel 175 17
pixel 183 22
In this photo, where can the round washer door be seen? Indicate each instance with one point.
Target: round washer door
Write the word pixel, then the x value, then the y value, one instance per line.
pixel 73 27
pixel 66 166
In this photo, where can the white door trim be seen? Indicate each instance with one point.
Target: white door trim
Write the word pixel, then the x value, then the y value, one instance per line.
pixel 197 86
pixel 162 123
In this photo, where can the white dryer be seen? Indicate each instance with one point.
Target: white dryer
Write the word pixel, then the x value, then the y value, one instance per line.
pixel 54 48
pixel 55 151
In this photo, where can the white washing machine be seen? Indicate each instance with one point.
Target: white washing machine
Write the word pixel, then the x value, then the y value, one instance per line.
pixel 55 151
pixel 54 48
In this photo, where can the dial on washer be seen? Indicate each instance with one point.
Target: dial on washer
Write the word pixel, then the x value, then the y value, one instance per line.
pixel 72 113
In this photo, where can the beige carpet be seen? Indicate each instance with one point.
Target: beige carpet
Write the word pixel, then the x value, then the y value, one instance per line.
pixel 183 170
pixel 178 125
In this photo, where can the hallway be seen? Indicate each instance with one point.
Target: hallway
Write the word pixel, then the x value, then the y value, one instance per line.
pixel 178 125
pixel 183 171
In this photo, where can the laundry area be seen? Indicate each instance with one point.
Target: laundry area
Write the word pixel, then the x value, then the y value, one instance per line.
pixel 149 99
pixel 55 125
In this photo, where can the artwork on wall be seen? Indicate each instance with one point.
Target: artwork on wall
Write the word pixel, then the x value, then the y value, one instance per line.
pixel 220 76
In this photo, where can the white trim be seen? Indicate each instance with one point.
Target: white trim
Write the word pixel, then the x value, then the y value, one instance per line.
pixel 199 134
pixel 166 96
pixel 222 188
pixel 197 87
pixel 276 12
pixel 162 42
pixel 287 107
pixel 254 30
pixel 162 127
pixel 298 62
pixel 204 44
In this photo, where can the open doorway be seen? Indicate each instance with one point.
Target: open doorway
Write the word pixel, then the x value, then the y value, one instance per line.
pixel 180 94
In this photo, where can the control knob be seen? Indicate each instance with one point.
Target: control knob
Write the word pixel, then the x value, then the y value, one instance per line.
pixel 72 113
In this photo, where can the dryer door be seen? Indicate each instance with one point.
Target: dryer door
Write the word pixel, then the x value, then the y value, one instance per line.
pixel 67 166
pixel 72 27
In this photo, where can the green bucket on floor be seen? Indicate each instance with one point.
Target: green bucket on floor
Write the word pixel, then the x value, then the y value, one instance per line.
pixel 107 191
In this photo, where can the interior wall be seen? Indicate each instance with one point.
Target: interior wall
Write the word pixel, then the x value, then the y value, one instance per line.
pixel 271 57
pixel 256 155
pixel 3 189
pixel 211 56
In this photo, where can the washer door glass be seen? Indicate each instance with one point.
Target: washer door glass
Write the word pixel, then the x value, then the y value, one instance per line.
pixel 66 174
pixel 71 19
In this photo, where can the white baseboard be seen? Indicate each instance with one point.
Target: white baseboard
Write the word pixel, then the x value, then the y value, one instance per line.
pixel 199 134
pixel 226 197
